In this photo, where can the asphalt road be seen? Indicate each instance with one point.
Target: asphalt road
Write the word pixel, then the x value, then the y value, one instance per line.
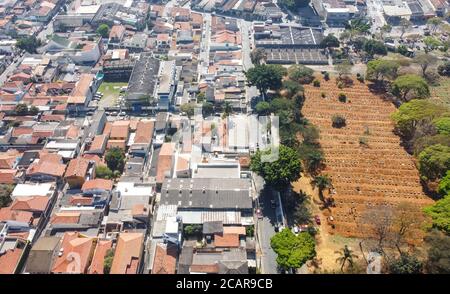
pixel 265 229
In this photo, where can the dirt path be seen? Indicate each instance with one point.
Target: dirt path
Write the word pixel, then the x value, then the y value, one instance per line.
pixel 327 244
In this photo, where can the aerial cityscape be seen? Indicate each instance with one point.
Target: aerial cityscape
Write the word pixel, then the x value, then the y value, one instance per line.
pixel 224 137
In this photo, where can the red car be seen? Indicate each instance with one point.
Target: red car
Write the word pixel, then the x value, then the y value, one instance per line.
pixel 317 219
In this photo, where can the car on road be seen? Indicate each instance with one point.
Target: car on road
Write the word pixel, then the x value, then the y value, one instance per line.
pixel 317 220
pixel 259 213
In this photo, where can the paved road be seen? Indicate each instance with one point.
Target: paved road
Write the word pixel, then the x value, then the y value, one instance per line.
pixel 265 229
pixel 247 40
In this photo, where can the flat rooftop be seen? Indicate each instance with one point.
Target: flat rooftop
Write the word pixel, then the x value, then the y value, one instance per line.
pixel 143 78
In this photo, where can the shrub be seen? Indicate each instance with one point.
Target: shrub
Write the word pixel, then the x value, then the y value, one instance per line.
pixel 342 97
pixel 363 141
pixel 338 121
pixel 360 78
pixel 323 95
pixel 326 76
pixel 316 83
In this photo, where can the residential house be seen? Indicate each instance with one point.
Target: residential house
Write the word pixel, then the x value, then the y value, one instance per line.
pixel 128 254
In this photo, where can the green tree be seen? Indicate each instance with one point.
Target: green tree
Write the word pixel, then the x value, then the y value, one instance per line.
pixel 188 108
pixel 258 56
pixel 103 30
pixel 411 113
pixel 34 110
pixel 227 109
pixel 321 182
pixel 293 251
pixel 29 44
pixel 424 60
pixel 444 185
pixel 405 264
pixel 300 73
pixel 265 77
pixel 292 87
pixel 294 4
pixel 356 27
pixel 403 50
pixel 405 25
pixel 410 84
pixel 438 259
pixel 115 159
pixel 444 69
pixel 387 28
pixel 380 69
pixel 343 68
pixel 373 47
pixel 207 109
pixel 103 172
pixel 281 172
pixel 432 43
pixel 262 108
pixel 338 121
pixel 442 125
pixel 107 262
pixel 440 214
pixel 193 230
pixel 5 194
pixel 434 23
pixel 21 109
pixel 434 162
pixel 201 97
pixel 330 41
pixel 345 255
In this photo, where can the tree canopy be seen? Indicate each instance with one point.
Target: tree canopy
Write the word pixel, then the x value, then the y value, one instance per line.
pixel 258 55
pixel 438 261
pixel 293 251
pixel 294 4
pixel 103 172
pixel 300 73
pixel 188 108
pixel 405 264
pixel 29 44
pixel 103 30
pixel 434 162
pixel 21 109
pixel 380 69
pixel 410 85
pixel 115 159
pixel 281 172
pixel 373 47
pixel 107 262
pixel 263 108
pixel 440 214
pixel 444 185
pixel 265 77
pixel 5 194
pixel 442 125
pixel 330 41
pixel 424 60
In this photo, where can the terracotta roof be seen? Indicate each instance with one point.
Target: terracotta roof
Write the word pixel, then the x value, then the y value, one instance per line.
pixel 165 259
pixel 7 176
pixel 72 132
pixel 77 167
pixel 226 240
pixel 139 210
pixel 82 86
pixel 65 218
pixel 34 203
pixel 8 158
pixel 120 129
pixel 107 129
pixel 144 132
pixel 101 249
pixel 122 144
pixel 117 31
pixel 48 164
pixel 98 142
pixel 97 184
pixel 17 131
pixel 164 161
pixel 76 252
pixel 204 268
pixel 9 260
pixel 128 253
pixel 6 214
pixel 92 157
pixel 234 230
pixel 78 199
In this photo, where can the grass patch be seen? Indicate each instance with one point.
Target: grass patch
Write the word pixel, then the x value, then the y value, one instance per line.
pixel 440 93
pixel 111 91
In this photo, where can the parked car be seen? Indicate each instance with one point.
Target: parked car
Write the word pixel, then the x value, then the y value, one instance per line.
pixel 317 219
pixel 259 213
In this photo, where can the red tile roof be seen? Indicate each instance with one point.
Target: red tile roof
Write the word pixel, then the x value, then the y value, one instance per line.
pixel 204 268
pixel 49 164
pixel 6 214
pixel 128 253
pixel 34 203
pixel 165 259
pixel 78 199
pixel 226 240
pixel 77 167
pixel 99 256
pixel 97 184
pixel 7 176
pixel 65 218
pixel 144 132
pixel 164 161
pixel 9 261
pixel 76 252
